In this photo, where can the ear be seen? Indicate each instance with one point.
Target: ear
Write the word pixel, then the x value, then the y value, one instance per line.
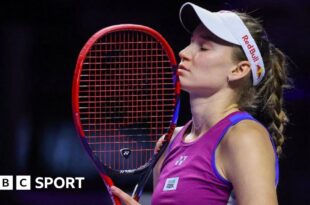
pixel 240 71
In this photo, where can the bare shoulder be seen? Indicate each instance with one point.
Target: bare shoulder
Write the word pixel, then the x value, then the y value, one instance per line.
pixel 248 138
pixel 248 161
pixel 248 134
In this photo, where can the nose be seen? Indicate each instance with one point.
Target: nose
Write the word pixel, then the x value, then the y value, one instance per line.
pixel 184 54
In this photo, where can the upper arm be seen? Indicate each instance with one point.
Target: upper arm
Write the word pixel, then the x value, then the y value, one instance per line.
pixel 248 161
pixel 157 167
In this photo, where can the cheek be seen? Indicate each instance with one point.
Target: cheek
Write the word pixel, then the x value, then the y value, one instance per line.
pixel 211 77
pixel 211 66
pixel 203 80
pixel 211 70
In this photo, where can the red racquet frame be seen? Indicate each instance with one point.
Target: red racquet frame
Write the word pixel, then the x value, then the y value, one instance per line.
pixel 147 167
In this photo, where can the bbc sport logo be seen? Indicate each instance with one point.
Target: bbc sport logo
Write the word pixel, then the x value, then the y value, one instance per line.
pixel 6 182
pixel 23 182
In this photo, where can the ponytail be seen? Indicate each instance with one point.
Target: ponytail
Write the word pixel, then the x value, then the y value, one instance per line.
pixel 265 101
pixel 271 92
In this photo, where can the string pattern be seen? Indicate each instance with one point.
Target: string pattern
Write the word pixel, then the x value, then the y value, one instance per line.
pixel 126 97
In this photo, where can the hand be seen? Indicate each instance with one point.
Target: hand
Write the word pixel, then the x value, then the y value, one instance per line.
pixel 158 145
pixel 123 196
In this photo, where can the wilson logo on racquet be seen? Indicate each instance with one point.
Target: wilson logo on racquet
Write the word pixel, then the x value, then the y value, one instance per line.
pixel 125 152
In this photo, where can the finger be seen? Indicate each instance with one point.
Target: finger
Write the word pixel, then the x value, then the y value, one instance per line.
pixel 158 145
pixel 123 196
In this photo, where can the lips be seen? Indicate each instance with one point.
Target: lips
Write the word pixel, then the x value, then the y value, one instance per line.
pixel 182 67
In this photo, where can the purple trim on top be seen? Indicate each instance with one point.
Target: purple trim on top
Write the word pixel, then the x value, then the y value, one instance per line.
pixel 237 117
pixel 277 169
pixel 275 153
pixel 217 174
pixel 234 119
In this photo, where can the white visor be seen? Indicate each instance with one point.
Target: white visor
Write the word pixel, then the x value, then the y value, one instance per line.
pixel 228 26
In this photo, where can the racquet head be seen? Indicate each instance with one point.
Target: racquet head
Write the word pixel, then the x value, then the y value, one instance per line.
pixel 125 96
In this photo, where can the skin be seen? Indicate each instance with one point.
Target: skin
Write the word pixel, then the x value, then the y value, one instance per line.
pixel 245 156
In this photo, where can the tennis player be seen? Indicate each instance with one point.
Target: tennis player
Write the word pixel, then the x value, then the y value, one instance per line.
pixel 228 152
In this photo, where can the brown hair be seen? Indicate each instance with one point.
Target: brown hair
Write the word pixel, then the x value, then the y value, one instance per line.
pixel 265 101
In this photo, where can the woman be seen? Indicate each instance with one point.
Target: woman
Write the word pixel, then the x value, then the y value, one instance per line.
pixel 224 155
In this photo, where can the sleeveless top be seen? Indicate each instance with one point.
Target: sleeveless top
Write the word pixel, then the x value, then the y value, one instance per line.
pixel 189 175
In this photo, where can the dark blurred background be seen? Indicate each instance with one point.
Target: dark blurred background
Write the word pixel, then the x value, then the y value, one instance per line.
pixel 40 42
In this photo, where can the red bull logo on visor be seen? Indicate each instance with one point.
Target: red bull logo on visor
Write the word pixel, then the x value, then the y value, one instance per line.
pixel 254 56
pixel 259 71
pixel 250 48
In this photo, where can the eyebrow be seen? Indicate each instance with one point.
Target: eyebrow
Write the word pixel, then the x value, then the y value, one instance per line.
pixel 208 38
pixel 211 38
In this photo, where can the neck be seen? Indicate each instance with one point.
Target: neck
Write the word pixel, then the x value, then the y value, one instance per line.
pixel 206 112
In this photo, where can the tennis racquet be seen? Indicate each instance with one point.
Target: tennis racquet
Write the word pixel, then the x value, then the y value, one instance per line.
pixel 125 96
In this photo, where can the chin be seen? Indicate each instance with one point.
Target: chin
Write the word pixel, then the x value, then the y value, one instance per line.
pixel 187 84
pixel 192 89
pixel 187 87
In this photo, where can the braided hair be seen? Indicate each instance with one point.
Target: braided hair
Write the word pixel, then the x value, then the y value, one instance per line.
pixel 265 101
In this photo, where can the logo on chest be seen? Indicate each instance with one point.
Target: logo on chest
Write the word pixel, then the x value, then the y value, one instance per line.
pixel 180 161
pixel 171 184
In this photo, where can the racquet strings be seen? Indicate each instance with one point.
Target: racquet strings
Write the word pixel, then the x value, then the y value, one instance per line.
pixel 126 98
